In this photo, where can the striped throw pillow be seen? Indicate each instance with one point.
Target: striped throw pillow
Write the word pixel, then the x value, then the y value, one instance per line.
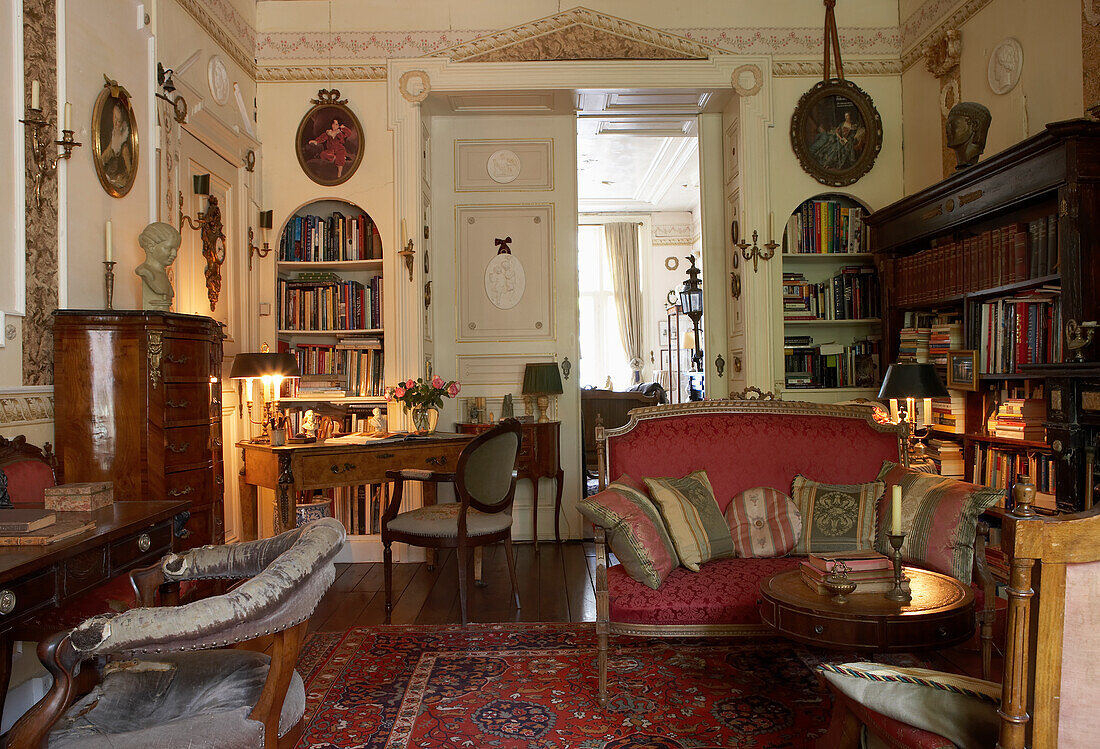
pixel 763 522
pixel 835 517
pixel 693 518
pixel 635 531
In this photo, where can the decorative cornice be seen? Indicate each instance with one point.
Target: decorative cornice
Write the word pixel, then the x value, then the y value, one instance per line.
pixel 243 51
pixel 25 406
pixel 815 68
pixel 321 73
pixel 924 24
pixel 942 52
pixel 673 241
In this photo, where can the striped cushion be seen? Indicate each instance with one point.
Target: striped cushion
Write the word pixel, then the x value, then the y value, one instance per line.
pixel 694 521
pixel 835 517
pixel 938 518
pixel 635 531
pixel 763 523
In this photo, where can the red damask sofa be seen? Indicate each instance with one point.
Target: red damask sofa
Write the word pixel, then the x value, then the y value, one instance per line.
pixel 741 444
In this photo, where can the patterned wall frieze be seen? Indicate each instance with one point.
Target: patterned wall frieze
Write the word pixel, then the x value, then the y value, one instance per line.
pixel 24 406
pixel 321 73
pixel 933 18
pixel 226 27
pixel 815 68
pixel 40 63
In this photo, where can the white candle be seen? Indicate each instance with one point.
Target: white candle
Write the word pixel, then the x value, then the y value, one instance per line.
pixel 107 242
pixel 771 226
pixel 68 116
pixel 404 235
pixel 895 515
pixel 35 91
pixel 248 391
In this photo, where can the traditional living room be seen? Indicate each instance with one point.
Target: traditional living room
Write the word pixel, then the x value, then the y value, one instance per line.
pixel 604 376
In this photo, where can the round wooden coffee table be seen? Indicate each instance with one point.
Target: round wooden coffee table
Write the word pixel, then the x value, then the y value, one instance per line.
pixel 940 614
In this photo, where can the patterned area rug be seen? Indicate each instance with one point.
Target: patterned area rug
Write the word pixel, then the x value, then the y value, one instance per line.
pixel 534 686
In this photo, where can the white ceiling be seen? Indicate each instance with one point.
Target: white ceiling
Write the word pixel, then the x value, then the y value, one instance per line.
pixel 636 172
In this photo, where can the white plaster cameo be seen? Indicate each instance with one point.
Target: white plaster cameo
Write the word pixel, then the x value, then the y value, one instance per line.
pixel 414 86
pixel 503 166
pixel 747 80
pixel 217 77
pixel 1006 62
pixel 505 281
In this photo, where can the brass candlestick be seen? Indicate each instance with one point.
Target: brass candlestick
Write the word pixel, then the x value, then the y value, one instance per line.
pixel 109 283
pixel 898 593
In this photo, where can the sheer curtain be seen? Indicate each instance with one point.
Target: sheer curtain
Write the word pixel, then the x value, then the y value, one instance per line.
pixel 622 250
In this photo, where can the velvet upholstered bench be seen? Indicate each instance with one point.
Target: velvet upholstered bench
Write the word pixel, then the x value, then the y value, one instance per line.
pixel 670 471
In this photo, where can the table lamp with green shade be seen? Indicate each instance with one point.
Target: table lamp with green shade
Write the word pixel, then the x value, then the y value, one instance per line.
pixel 270 369
pixel 541 380
pixel 905 382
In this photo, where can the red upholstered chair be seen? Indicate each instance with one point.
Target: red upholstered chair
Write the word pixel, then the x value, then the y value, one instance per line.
pixel 26 471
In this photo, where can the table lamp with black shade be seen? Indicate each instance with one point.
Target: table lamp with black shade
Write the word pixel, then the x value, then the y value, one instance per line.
pixel 541 380
pixel 270 369
pixel 906 382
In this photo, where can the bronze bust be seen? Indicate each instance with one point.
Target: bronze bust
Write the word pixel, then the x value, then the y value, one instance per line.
pixel 967 127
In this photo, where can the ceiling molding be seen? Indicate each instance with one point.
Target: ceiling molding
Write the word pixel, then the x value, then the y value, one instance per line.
pixel 931 21
pixel 673 156
pixel 243 52
pixel 815 68
pixel 321 73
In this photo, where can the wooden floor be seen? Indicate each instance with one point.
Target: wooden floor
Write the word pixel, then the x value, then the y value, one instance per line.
pixel 556 585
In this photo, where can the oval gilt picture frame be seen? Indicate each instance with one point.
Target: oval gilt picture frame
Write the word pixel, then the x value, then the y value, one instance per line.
pixel 329 142
pixel 114 140
pixel 836 132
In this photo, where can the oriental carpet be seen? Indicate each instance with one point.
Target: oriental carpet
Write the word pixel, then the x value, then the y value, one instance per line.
pixel 534 686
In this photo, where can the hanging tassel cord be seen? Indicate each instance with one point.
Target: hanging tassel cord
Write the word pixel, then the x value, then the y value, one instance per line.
pixel 832 41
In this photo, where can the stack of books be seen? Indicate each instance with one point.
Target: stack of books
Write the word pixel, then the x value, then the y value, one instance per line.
pixel 914 344
pixel 947 456
pixel 870 571
pixel 944 337
pixel 1021 419
pixel 949 414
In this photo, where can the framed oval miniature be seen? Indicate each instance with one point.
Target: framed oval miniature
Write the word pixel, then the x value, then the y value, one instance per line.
pixel 329 142
pixel 836 132
pixel 114 140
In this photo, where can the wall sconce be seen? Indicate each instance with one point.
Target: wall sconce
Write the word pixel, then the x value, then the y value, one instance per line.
pixel 167 93
pixel 43 150
pixel 756 254
pixel 265 224
pixel 407 252
pixel 209 225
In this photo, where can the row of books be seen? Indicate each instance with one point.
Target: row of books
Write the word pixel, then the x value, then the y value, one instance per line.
pixel 353 367
pixel 852 294
pixel 833 365
pixel 1022 329
pixel 330 304
pixel 996 257
pixel 870 571
pixel 335 237
pixel 1019 419
pixel 359 508
pixel 825 226
pixel 1001 468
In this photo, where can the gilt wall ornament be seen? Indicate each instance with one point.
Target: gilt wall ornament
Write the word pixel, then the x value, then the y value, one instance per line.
pixel 414 85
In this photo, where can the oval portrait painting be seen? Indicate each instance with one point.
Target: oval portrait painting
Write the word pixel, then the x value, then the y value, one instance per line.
pixel 329 142
pixel 836 133
pixel 114 140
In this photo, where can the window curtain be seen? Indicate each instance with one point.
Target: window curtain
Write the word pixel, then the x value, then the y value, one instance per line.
pixel 622 249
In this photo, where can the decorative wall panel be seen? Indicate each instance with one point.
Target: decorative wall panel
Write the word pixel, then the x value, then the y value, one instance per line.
pixel 495 165
pixel 496 369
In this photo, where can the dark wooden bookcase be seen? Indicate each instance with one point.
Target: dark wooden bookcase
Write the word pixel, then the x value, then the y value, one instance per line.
pixel 952 247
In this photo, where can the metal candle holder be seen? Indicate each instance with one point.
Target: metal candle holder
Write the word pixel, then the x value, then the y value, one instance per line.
pixel 109 282
pixel 897 593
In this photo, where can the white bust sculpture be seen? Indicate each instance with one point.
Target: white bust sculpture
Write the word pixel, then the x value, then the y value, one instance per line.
pixel 161 242
pixel 377 422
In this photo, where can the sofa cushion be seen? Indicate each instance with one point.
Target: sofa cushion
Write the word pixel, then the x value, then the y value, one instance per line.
pixel 938 517
pixel 691 514
pixel 959 708
pixel 635 531
pixel 835 517
pixel 723 591
pixel 763 522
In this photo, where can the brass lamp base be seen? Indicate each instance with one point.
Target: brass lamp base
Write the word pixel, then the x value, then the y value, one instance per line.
pixel 543 403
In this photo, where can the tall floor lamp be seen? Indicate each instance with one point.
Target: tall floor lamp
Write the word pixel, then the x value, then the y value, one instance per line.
pixel 905 383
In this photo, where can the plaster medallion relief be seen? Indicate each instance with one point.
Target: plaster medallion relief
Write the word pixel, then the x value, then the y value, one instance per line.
pixel 949 96
pixel 9 331
pixel 503 166
pixel 747 80
pixel 505 281
pixel 415 85
pixel 1006 62
pixel 217 78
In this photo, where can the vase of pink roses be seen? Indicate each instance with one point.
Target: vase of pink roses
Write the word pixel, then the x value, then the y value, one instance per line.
pixel 422 399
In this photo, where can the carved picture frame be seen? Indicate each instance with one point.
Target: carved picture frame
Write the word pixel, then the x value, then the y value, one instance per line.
pixel 962 369
pixel 836 132
pixel 114 151
pixel 329 155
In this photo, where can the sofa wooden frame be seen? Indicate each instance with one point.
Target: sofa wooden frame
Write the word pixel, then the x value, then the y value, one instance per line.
pixel 605 627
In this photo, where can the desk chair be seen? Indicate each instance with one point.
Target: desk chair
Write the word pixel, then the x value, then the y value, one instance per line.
pixel 485 482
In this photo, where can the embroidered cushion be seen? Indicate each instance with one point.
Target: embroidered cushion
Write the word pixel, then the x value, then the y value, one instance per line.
pixel 959 708
pixel 692 517
pixel 763 522
pixel 635 531
pixel 938 517
pixel 835 517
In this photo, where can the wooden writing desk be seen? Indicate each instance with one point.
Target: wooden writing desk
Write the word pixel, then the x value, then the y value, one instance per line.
pixel 290 469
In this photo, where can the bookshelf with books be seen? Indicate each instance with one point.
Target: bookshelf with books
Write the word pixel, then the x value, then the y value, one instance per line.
pixel 996 260
pixel 831 303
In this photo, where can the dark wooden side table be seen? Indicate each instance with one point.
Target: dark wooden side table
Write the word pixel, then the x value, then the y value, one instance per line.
pixel 539 457
pixel 941 614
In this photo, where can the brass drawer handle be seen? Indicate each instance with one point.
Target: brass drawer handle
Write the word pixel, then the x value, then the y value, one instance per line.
pixel 385 456
pixel 177 404
pixel 217 442
pixel 219 480
pixel 347 467
pixel 177 449
pixel 180 360
pixel 144 542
pixel 7 602
pixel 818 629
pixel 437 460
pixel 180 492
